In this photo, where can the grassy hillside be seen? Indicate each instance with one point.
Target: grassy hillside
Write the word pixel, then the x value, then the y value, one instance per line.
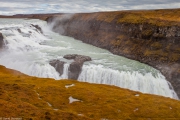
pixel 34 98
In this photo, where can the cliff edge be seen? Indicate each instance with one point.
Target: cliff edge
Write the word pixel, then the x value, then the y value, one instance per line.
pixel 151 37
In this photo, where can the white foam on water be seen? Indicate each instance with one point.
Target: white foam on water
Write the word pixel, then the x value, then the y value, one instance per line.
pixel 65 72
pixel 133 80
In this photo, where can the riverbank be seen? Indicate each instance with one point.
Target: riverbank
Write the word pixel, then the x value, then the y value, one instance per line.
pixel 28 97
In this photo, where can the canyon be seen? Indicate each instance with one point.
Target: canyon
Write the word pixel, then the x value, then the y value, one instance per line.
pixel 151 37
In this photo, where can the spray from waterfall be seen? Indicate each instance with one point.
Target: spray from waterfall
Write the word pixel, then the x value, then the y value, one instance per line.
pixel 57 20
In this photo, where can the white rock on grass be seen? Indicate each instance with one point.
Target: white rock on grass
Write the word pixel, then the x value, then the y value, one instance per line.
pixel 71 100
pixel 67 86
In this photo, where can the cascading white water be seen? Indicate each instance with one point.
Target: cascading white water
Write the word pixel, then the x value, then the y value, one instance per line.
pixel 125 79
pixel 29 51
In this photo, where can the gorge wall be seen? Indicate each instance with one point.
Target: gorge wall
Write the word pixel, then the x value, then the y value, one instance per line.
pixel 151 37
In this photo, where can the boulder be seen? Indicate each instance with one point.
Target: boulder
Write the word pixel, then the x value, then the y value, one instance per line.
pixel 70 56
pixel 58 65
pixel 74 70
pixel 38 28
pixel 77 57
pixel 19 30
pixel 75 67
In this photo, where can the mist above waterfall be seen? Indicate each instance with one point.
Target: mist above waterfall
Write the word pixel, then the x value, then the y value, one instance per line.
pixel 30 51
pixel 58 20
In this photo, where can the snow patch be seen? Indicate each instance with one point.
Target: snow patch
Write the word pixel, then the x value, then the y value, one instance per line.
pixel 80 115
pixel 67 86
pixel 119 111
pixel 71 100
pixel 37 94
pixel 49 104
pixel 137 95
pixel 136 109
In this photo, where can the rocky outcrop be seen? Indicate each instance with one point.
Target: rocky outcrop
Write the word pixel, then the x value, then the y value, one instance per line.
pixel 58 65
pixel 77 58
pixel 1 41
pixel 138 35
pixel 38 28
pixel 75 67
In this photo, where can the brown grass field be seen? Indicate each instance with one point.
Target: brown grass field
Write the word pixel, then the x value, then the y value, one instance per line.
pixel 26 97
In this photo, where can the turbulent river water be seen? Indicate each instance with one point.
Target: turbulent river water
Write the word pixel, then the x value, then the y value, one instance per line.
pixel 29 51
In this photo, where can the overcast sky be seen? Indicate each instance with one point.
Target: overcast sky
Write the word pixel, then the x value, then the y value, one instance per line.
pixel 9 7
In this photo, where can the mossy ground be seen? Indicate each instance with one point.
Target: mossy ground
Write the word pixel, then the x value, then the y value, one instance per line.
pixel 163 17
pixel 27 97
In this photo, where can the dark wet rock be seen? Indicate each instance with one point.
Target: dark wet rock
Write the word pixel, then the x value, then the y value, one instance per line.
pixel 70 56
pixel 38 28
pixel 76 57
pixel 23 34
pixel 58 65
pixel 75 67
pixel 82 58
pixel 74 70
pixel 19 30
pixel 1 40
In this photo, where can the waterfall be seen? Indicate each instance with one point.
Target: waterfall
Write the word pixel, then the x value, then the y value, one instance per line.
pixel 132 80
pixel 65 71
pixel 30 51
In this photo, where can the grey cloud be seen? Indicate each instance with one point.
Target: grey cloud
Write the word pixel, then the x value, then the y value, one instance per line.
pixel 73 6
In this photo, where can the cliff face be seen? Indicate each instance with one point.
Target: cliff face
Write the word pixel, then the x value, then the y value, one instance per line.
pixel 151 37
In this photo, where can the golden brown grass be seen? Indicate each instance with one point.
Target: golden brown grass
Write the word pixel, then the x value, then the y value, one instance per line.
pixel 164 17
pixel 19 98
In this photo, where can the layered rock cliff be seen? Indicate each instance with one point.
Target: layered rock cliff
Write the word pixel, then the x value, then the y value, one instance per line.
pixel 151 37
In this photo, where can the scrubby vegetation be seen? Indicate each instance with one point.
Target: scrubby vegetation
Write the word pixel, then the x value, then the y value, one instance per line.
pixel 154 17
pixel 32 98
